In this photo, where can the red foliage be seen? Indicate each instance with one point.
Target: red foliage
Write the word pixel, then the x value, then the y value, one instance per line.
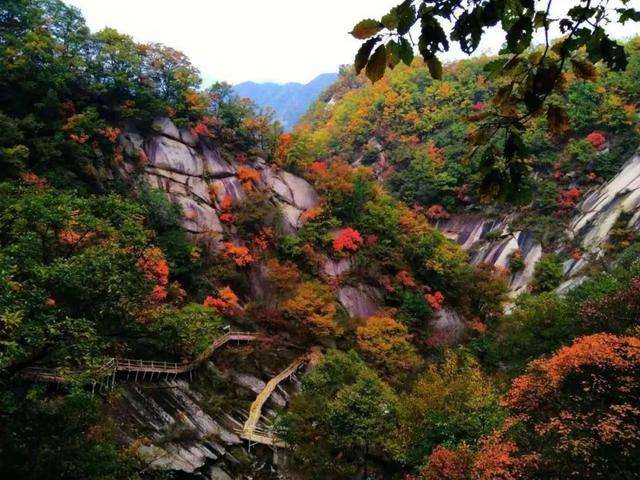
pixel 446 464
pixel 370 240
pixel 568 199
pixel 479 106
pixel 31 178
pixel 227 217
pixel 159 293
pixel 227 202
pixel 201 130
pixel 406 279
pixel 597 139
pixel 435 300
pixel 347 239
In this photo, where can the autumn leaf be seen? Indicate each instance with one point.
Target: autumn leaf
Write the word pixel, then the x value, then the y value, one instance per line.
pixel 366 28
pixel 377 64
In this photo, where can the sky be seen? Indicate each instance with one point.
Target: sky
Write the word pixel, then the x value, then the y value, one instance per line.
pixel 259 40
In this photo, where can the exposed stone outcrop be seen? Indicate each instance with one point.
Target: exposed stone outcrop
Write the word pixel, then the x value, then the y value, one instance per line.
pixel 195 176
pixel 180 434
pixel 590 227
pixel 361 301
pixel 600 210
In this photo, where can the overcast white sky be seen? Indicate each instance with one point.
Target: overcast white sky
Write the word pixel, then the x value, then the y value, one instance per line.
pixel 259 40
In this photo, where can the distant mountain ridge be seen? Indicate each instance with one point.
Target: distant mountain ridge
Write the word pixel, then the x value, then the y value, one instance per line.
pixel 289 100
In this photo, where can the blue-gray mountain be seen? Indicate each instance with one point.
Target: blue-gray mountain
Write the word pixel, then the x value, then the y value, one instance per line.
pixel 289 100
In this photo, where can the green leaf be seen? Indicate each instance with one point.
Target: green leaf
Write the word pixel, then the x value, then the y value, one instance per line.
pixel 390 20
pixel 435 67
pixel 405 51
pixel 406 14
pixel 366 28
pixel 377 64
pixel 362 57
pixel 519 35
pixel 627 14
pixel 393 54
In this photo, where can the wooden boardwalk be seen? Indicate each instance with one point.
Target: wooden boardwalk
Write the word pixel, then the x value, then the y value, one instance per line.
pixel 141 368
pixel 250 431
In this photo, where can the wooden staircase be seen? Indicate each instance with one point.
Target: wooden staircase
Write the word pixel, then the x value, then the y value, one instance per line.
pixel 250 431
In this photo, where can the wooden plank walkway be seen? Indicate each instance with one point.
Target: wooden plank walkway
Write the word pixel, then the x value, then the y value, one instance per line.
pixel 255 412
pixel 152 367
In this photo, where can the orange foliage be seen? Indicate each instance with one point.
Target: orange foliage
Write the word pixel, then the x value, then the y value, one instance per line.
pixel 240 255
pixel 111 133
pixel 155 268
pixel 495 459
pixel 347 239
pixel 262 239
pixel 436 154
pixel 446 464
pixel 318 167
pixel 284 276
pixel 437 212
pixel 285 142
pixel 248 176
pixel 310 214
pixel 226 302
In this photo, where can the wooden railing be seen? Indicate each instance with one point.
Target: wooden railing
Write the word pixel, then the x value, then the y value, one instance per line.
pixel 130 365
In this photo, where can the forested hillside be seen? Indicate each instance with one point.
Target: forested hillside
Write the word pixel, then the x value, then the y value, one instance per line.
pixel 167 254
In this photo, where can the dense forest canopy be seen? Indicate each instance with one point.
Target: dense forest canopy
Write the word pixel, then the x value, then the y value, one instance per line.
pixel 95 264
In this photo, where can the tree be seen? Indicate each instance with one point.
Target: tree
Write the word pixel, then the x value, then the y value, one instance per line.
pixel 452 403
pixel 386 343
pixel 529 80
pixel 342 419
pixel 579 409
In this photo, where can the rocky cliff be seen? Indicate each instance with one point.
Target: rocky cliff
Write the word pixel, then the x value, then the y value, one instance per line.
pixel 492 241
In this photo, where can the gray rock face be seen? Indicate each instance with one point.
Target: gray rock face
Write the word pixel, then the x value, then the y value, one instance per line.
pixel 182 435
pixel 336 268
pixel 164 126
pixel 448 326
pixel 600 210
pixel 303 194
pixel 290 217
pixel 169 154
pixel 197 217
pixel 362 301
pixel 596 215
